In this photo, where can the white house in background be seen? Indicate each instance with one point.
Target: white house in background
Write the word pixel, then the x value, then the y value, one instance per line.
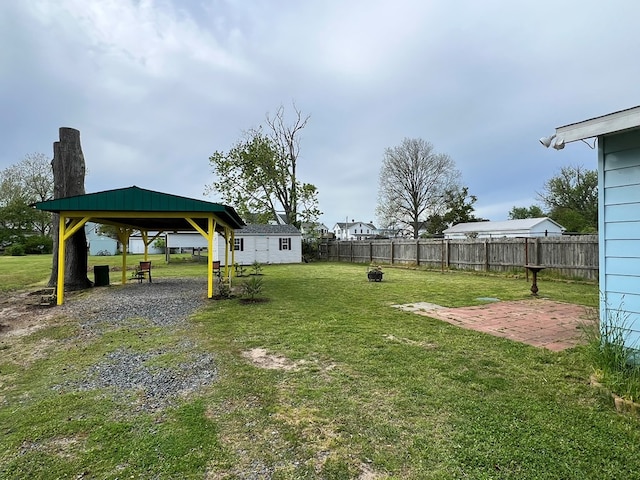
pixel 354 230
pixel 527 227
pixel 312 231
pixel 618 151
pixel 99 244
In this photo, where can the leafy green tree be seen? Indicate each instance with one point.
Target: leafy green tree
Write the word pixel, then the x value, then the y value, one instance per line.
pixel 571 197
pixel 413 183
pixel 458 208
pixel 258 175
pixel 36 244
pixel 520 213
pixel 16 221
pixel 21 184
pixel 308 201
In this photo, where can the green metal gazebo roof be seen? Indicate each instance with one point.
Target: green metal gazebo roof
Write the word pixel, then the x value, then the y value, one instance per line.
pixel 157 210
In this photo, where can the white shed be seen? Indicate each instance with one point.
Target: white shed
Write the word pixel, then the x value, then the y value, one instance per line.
pixel 618 136
pixel 257 242
pixel 264 244
pixel 527 227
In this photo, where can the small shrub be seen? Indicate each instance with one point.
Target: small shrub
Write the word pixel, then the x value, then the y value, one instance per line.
pixel 15 250
pixel 257 268
pixel 252 288
pixel 160 244
pixel 223 289
pixel 37 244
pixel 239 269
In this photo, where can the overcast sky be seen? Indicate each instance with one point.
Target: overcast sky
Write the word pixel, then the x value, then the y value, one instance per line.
pixel 155 87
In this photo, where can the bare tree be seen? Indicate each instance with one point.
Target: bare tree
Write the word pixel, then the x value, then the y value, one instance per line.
pixel 259 174
pixel 286 139
pixel 412 183
pixel 68 173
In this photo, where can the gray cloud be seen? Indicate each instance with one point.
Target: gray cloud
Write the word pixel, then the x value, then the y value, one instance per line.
pixel 156 86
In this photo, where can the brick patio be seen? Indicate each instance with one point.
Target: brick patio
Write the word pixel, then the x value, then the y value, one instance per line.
pixel 539 322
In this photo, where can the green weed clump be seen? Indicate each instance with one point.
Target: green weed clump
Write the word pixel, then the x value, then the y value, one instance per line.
pixel 617 363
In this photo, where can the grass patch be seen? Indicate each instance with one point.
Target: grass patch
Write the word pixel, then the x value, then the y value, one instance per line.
pixel 375 393
pixel 31 271
pixel 617 364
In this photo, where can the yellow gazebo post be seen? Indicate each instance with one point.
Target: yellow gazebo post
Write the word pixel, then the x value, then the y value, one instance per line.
pixel 211 228
pixel 64 233
pixel 123 237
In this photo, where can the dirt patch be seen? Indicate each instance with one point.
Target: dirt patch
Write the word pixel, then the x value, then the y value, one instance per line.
pixel 418 307
pixel 63 447
pixel 408 341
pixel 263 359
pixel 366 473
pixel 19 316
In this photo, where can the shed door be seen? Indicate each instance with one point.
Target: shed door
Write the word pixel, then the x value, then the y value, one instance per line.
pixel 262 250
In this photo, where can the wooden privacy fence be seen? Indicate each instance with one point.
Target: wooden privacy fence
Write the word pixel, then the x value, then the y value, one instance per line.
pixel 570 256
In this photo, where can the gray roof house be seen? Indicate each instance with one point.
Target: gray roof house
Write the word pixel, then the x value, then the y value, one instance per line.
pixel 527 227
pixel 618 150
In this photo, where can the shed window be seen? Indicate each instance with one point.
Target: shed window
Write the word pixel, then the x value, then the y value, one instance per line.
pixel 285 244
pixel 238 244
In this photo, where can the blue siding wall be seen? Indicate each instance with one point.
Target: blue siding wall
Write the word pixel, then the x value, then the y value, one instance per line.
pixel 619 209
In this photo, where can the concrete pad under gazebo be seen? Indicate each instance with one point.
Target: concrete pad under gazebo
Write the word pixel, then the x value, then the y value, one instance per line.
pixel 134 208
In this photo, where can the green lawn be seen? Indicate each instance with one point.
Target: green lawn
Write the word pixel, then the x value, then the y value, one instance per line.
pixel 372 392
pixel 34 270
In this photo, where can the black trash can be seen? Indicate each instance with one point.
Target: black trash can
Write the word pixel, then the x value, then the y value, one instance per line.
pixel 101 275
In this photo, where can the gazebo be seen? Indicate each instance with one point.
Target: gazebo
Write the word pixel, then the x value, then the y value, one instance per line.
pixel 133 208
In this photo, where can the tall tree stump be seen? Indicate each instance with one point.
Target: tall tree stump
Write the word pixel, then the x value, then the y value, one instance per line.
pixel 68 177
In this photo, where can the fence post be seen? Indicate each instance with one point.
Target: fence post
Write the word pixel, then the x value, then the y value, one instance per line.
pixel 526 257
pixel 418 252
pixel 370 252
pixel 538 256
pixel 448 253
pixel 486 256
pixel 391 252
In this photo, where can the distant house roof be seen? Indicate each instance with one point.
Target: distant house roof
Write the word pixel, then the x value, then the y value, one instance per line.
pixel 281 219
pixel 504 226
pixel 349 224
pixel 267 229
pixel 311 225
